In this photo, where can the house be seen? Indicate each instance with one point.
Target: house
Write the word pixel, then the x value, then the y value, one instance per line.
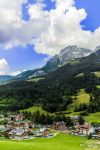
pixel 97 130
pixel 75 119
pixel 96 135
pixel 61 126
pixel 28 123
pixel 23 124
pixel 18 124
pixel 83 130
pixel 2 130
pixel 19 134
pixel 15 118
pixel 42 132
pixel 19 118
pixel 91 130
pixel 11 118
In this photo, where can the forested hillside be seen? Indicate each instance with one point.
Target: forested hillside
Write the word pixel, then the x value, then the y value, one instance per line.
pixel 58 89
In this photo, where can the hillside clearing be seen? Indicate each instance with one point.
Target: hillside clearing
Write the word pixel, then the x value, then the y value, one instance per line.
pixel 97 73
pixel 34 109
pixel 98 86
pixel 80 98
pixel 35 79
pixel 94 117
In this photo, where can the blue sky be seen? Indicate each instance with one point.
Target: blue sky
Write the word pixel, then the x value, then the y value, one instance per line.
pixel 24 58
pixel 92 8
pixel 21 58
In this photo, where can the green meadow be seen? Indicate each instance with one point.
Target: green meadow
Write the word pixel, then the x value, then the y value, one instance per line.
pixel 35 79
pixel 94 117
pixel 60 142
pixel 97 73
pixel 98 86
pixel 34 109
pixel 80 98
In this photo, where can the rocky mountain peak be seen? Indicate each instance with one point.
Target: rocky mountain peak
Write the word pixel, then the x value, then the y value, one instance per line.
pixel 97 48
pixel 67 54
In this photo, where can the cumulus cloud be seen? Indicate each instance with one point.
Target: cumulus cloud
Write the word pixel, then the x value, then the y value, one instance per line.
pixel 3 66
pixel 49 31
pixel 64 4
pixel 10 20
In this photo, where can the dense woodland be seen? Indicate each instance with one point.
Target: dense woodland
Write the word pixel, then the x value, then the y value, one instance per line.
pixel 47 119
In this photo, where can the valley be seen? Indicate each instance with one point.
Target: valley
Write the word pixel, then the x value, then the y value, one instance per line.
pixel 49 75
pixel 61 102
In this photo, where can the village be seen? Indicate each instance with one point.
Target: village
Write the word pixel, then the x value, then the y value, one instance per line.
pixel 17 127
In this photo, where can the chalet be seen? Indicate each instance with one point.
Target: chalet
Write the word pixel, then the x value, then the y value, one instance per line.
pixel 19 117
pixel 97 130
pixel 61 126
pixel 15 118
pixel 42 132
pixel 19 134
pixel 23 124
pixel 83 130
pixel 91 130
pixel 18 124
pixel 2 130
pixel 28 123
pixel 96 135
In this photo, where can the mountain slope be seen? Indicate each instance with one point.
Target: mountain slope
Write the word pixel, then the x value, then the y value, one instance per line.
pixel 67 54
pixel 5 78
pixel 54 92
pixel 24 75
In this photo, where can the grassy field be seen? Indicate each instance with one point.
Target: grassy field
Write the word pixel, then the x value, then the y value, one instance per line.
pixel 36 79
pixel 82 97
pixel 95 117
pixel 96 73
pixel 60 142
pixel 98 86
pixel 34 109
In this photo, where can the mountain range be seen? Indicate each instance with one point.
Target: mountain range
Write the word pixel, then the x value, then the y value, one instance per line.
pixel 67 55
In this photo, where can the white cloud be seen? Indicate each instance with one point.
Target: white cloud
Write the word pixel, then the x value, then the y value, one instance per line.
pixel 48 31
pixel 3 66
pixel 11 23
pixel 64 4
pixel 15 73
pixel 36 11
